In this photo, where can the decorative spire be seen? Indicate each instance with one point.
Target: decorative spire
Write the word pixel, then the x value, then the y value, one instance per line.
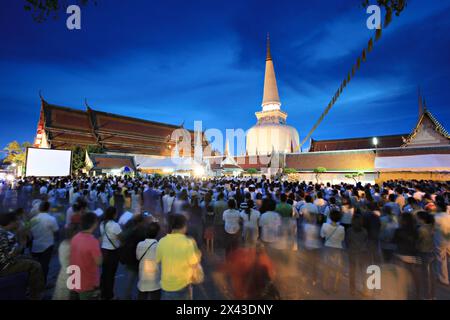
pixel 40 96
pixel 420 102
pixel 227 148
pixel 271 100
pixel 268 55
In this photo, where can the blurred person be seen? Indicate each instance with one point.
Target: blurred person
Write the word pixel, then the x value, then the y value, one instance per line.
pixel 400 199
pixel 110 234
pixel 286 211
pixel 442 241
pixel 12 263
pixel 270 224
pixel 118 201
pixel 393 205
pixel 219 224
pixel 61 291
pixel 248 274
pixel 333 235
pixel 250 218
pixel 347 211
pixel 312 244
pixel 43 230
pixel 411 206
pixel 85 253
pixel 167 201
pixel 208 208
pixel 132 233
pixel 136 200
pixel 356 239
pixel 309 208
pixel 180 261
pixel 389 225
pixel 149 274
pixel 425 248
pixel 232 227
pixel 372 223
pixel 195 222
pixel 406 239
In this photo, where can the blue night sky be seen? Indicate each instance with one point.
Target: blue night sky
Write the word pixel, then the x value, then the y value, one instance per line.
pixel 175 61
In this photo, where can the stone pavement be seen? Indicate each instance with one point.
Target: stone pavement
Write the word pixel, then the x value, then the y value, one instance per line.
pixel 292 280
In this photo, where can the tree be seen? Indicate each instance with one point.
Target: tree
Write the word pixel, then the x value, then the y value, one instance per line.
pixel 252 171
pixel 42 9
pixel 16 152
pixel 318 171
pixel 79 156
pixel 355 176
pixel 289 170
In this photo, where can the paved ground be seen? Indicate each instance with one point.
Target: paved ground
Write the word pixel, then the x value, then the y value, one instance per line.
pixel 293 281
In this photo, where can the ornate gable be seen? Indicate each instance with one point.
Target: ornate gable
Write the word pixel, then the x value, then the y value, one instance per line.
pixel 428 132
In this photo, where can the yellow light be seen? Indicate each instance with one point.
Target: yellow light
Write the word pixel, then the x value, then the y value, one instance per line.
pixel 199 171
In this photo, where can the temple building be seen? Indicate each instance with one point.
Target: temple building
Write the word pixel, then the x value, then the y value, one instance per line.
pixel 271 134
pixel 124 142
pixel 424 153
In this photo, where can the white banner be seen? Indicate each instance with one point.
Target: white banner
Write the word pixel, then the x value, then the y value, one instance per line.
pixel 426 162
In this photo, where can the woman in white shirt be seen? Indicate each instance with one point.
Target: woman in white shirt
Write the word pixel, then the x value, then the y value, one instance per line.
pixel 250 217
pixel 149 273
pixel 167 201
pixel 334 235
pixel 110 231
pixel 61 291
pixel 232 226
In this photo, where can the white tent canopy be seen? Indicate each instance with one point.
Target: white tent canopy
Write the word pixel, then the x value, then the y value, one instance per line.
pixel 180 163
pixel 146 162
pixel 426 162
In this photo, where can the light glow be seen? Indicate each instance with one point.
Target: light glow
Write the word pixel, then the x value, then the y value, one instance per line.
pixel 199 171
pixel 375 141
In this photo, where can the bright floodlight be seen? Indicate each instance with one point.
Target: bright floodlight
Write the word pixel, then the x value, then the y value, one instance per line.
pixel 199 171
pixel 375 141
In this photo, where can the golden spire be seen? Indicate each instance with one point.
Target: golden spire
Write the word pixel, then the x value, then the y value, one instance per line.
pixel 270 96
pixel 268 55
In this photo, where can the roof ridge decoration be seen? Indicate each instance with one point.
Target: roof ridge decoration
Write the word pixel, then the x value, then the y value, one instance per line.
pixel 93 123
pixel 438 127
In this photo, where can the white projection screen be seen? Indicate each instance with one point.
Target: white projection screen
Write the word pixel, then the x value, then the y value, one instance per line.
pixel 48 162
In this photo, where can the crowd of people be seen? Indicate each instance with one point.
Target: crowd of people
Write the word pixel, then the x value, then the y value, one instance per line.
pixel 159 228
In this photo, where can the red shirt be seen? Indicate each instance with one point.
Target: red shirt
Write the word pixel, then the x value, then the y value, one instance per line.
pixel 84 252
pixel 241 266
